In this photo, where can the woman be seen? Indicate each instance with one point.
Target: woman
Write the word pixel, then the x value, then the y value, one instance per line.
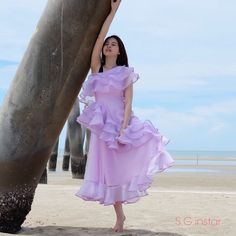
pixel 124 152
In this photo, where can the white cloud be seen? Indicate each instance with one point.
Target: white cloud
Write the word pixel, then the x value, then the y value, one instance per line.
pixel 185 76
pixel 201 127
pixel 172 19
pixel 214 110
pixel 194 117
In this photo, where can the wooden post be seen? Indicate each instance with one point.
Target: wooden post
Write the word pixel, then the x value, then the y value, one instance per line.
pixel 52 162
pixel 66 156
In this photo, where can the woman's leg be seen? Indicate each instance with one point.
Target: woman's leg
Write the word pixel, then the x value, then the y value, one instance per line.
pixel 120 217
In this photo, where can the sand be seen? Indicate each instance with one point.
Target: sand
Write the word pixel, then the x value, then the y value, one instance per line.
pixel 178 204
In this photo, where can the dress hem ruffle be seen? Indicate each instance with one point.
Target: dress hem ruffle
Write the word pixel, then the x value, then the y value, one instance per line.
pixel 126 193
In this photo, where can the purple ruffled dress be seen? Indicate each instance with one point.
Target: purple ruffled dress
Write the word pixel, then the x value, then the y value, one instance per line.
pixel 118 168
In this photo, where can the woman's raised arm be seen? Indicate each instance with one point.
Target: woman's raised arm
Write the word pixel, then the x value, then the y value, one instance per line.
pixel 96 59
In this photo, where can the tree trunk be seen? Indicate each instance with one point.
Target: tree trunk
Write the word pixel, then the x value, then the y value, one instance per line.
pixel 40 98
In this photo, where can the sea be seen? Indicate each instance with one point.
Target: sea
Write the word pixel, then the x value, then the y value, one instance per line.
pixel 199 161
pixel 204 161
pixel 204 154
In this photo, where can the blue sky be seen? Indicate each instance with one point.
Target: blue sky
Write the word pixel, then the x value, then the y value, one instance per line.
pixel 184 52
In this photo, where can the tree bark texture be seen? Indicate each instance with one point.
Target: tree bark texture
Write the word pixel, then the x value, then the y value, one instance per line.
pixel 40 98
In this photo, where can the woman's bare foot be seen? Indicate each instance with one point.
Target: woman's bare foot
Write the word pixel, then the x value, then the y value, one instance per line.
pixel 119 224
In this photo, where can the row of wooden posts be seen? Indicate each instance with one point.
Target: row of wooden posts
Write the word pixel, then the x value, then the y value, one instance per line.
pixel 75 148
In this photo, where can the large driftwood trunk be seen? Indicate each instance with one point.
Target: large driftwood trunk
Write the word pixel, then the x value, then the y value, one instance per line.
pixel 40 98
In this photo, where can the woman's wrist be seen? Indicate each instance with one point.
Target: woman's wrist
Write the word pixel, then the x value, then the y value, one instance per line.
pixel 114 6
pixel 123 126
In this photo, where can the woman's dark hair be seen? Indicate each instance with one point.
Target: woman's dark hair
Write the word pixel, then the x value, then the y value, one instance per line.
pixel 122 59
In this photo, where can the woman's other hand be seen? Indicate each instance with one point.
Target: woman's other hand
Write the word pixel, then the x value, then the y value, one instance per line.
pixel 121 131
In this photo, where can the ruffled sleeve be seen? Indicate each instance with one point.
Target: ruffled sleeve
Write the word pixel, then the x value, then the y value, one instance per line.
pixel 87 94
pixel 121 77
pixel 132 77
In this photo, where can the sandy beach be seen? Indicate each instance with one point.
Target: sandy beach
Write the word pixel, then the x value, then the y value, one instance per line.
pixel 179 204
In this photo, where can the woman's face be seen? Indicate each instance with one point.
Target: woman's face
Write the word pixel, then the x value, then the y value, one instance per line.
pixel 111 47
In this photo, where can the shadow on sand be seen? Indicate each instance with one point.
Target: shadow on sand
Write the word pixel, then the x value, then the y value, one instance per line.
pixel 85 231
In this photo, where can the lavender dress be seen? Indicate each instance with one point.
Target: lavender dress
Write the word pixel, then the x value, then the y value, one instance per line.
pixel 118 168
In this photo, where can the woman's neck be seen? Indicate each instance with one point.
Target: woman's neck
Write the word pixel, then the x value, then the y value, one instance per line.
pixel 110 63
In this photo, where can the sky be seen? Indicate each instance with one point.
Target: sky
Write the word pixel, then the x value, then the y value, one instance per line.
pixel 184 52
